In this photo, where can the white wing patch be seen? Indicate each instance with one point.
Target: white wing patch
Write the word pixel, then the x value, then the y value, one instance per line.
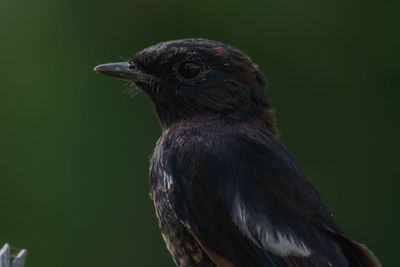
pixel 278 243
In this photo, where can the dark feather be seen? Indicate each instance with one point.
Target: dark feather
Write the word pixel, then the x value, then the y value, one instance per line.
pixel 211 166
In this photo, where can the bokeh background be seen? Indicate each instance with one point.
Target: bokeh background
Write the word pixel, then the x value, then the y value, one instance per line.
pixel 74 150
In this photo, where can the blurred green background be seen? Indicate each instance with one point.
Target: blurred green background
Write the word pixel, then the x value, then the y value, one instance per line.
pixel 74 151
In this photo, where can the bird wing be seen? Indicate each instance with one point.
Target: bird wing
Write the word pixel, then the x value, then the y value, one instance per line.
pixel 248 203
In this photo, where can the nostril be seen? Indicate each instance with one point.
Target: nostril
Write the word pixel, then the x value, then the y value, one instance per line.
pixel 132 66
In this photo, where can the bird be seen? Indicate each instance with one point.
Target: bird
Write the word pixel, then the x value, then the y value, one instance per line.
pixel 226 191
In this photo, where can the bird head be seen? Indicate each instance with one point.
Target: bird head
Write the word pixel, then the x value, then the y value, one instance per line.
pixel 196 77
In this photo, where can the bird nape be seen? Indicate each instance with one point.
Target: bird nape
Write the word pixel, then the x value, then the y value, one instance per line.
pixel 226 191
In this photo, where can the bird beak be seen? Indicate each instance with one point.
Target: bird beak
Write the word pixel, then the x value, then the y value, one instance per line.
pixel 123 71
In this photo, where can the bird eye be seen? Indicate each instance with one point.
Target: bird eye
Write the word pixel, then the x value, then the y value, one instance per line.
pixel 189 70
